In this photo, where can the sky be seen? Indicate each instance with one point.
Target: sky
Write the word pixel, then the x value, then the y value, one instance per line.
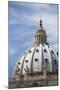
pixel 23 22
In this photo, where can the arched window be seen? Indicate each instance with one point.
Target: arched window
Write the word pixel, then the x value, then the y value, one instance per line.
pixel 37 50
pixel 57 53
pixel 46 60
pixel 45 50
pixel 55 62
pixel 29 51
pixel 26 61
pixel 36 59
pixel 19 63
pixel 52 52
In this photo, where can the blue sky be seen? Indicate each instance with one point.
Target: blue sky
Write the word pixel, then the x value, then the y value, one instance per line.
pixel 24 21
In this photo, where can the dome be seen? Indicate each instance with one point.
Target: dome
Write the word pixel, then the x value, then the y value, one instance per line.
pixel 39 57
pixel 35 58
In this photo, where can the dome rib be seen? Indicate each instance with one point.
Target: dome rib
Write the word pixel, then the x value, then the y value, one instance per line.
pixel 32 59
pixel 23 62
pixel 41 56
pixel 55 53
pixel 49 58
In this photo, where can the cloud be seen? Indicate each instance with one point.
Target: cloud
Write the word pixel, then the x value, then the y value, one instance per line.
pixel 12 51
pixel 28 44
pixel 26 12
pixel 35 7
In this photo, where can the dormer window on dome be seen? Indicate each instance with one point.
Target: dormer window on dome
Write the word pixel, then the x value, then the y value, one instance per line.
pixel 36 59
pixel 55 61
pixel 19 63
pixel 37 50
pixel 46 60
pixel 29 51
pixel 52 52
pixel 26 61
pixel 45 50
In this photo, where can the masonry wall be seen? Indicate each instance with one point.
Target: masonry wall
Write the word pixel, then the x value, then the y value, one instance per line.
pixel 35 81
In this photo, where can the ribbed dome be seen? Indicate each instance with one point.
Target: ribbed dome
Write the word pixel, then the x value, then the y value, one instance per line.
pixel 40 56
pixel 35 58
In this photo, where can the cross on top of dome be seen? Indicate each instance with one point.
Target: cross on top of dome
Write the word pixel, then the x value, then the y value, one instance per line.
pixel 41 23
